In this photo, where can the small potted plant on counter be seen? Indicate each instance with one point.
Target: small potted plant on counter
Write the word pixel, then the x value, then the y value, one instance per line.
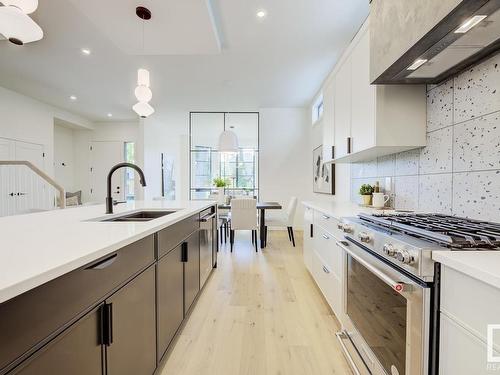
pixel 220 184
pixel 366 191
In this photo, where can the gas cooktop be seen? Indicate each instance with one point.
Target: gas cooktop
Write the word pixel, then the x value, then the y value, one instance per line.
pixel 450 231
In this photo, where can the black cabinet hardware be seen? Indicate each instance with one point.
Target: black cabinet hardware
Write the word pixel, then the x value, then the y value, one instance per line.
pixel 349 145
pixel 311 231
pixel 11 194
pixel 18 194
pixel 184 252
pixel 107 324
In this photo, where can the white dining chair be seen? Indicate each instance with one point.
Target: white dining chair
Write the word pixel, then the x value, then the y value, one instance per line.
pixel 284 219
pixel 223 220
pixel 243 217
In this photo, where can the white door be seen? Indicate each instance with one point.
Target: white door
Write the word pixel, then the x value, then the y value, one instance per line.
pixel 7 179
pixel 342 108
pixel 362 97
pixel 32 191
pixel 104 155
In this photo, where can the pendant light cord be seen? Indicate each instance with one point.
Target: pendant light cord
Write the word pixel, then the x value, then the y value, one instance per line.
pixel 143 35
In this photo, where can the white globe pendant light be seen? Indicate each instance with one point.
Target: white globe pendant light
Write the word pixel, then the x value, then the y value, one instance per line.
pixel 228 141
pixel 26 6
pixel 15 24
pixel 143 109
pixel 142 91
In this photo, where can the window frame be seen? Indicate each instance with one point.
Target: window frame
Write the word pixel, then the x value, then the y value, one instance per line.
pixel 256 159
pixel 317 109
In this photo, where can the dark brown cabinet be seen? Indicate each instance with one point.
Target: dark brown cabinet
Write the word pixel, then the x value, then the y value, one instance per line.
pixel 77 351
pixel 132 346
pixel 114 316
pixel 191 258
pixel 170 294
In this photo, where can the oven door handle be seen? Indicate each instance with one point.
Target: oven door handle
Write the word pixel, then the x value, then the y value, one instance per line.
pixel 398 286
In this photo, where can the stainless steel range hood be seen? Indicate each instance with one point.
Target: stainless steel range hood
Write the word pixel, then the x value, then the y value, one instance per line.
pixel 467 35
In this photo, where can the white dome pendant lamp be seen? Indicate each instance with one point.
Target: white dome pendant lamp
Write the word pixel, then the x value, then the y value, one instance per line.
pixel 15 24
pixel 142 91
pixel 228 141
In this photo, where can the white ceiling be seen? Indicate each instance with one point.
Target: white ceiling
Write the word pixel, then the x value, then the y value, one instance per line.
pixel 202 54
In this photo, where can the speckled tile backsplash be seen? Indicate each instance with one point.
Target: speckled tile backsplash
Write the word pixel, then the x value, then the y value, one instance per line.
pixel 458 172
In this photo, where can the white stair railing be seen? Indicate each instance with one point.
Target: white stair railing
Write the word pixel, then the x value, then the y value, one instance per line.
pixel 43 175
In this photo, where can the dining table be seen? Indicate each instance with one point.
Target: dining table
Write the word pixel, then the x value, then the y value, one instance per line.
pixel 262 206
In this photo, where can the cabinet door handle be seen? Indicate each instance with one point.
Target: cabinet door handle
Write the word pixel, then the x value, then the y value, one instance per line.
pixel 325 237
pixel 184 252
pixel 105 263
pixel 326 217
pixel 311 231
pixel 107 324
pixel 326 270
pixel 11 194
pixel 349 145
pixel 208 217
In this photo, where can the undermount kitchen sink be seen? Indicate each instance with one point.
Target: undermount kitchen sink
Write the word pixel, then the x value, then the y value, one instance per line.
pixel 138 216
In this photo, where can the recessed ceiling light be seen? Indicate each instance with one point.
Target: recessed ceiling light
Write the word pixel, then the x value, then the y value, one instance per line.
pixel 261 13
pixel 85 51
pixel 469 24
pixel 72 97
pixel 110 115
pixel 417 64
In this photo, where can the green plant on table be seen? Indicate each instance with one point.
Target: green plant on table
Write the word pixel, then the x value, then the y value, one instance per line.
pixel 366 189
pixel 220 182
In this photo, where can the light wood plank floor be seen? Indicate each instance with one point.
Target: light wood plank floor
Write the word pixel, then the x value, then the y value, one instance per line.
pixel 260 313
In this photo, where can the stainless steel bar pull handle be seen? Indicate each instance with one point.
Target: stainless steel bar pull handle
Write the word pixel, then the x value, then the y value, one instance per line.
pixel 398 286
pixel 102 264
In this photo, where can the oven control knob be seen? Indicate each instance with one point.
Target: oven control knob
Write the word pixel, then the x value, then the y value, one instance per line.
pixel 389 249
pixel 347 228
pixel 404 257
pixel 364 237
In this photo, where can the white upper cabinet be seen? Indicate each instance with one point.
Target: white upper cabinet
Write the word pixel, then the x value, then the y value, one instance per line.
pixel 362 97
pixel 370 120
pixel 342 108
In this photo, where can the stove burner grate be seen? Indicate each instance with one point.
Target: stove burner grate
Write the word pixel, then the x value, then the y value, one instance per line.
pixel 451 231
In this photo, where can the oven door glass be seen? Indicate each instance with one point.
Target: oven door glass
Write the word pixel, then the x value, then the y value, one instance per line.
pixel 379 315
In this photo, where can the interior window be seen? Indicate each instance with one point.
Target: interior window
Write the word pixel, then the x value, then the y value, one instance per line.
pixel 240 169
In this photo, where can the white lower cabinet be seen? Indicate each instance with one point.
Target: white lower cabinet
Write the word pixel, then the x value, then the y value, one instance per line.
pixel 461 352
pixel 468 306
pixel 308 238
pixel 323 258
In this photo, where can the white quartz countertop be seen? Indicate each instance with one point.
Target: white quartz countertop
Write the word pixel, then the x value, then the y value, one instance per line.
pixel 481 265
pixel 39 247
pixel 342 209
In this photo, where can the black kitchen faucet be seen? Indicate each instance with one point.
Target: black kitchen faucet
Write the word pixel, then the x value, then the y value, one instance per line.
pixel 109 199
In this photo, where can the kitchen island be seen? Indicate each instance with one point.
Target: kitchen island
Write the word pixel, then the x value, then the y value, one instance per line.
pixel 84 296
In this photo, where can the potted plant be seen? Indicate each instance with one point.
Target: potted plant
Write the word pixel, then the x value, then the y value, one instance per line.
pixel 220 183
pixel 366 191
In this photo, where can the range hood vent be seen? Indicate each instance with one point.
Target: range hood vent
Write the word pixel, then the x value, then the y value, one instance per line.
pixel 466 36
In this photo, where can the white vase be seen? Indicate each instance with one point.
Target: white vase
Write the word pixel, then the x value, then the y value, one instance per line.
pixel 220 193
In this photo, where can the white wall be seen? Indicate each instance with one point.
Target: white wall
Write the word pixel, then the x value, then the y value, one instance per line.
pixel 342 171
pixel 169 134
pixel 105 131
pixel 285 156
pixel 64 157
pixel 29 120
